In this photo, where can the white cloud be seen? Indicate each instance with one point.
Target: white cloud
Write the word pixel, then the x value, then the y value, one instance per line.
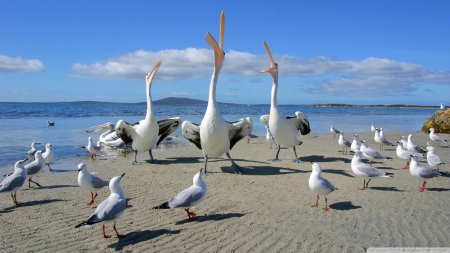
pixel 19 65
pixel 370 76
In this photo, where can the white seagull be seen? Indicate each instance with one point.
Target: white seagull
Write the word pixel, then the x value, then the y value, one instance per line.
pixel 34 168
pixel 435 137
pixel 355 143
pixel 13 182
pixel 144 134
pixel 319 185
pixel 442 107
pixel 284 129
pixel 269 138
pixel 343 143
pixel 372 128
pixel 110 209
pixel 432 158
pixel 413 147
pixel 215 136
pixel 422 172
pixel 90 182
pixel 32 151
pixel 334 131
pixel 404 142
pixel 48 155
pixel 371 153
pixel 92 148
pixel 381 139
pixel 405 154
pixel 188 198
pixel 366 171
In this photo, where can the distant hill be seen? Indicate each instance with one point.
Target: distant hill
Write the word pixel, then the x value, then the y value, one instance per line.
pixel 184 101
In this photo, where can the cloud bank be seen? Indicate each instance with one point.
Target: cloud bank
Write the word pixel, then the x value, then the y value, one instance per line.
pixel 368 77
pixel 19 65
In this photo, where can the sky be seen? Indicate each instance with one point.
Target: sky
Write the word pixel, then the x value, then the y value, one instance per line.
pixel 354 52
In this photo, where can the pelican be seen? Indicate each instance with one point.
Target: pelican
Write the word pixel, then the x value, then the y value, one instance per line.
pixel 109 135
pixel 144 134
pixel 215 136
pixel 284 129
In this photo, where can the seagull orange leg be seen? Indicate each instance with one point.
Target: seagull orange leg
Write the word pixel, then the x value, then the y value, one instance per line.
pixel 317 202
pixel 367 183
pixel 364 185
pixel 190 214
pixel 92 198
pixel 423 186
pixel 117 233
pixel 104 234
pixel 406 166
pixel 326 204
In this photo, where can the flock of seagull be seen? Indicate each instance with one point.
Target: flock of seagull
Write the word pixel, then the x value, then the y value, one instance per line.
pixel 214 137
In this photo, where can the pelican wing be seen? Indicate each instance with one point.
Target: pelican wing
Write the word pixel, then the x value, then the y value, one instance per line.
pixel 265 120
pixel 239 129
pixel 125 131
pixel 300 122
pixel 191 132
pixel 167 126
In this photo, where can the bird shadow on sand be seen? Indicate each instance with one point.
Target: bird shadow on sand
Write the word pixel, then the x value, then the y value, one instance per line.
pixel 323 159
pixel 30 203
pixel 383 188
pixel 211 217
pixel 53 186
pixel 437 189
pixel 337 171
pixel 141 236
pixel 62 171
pixel 263 170
pixel 344 206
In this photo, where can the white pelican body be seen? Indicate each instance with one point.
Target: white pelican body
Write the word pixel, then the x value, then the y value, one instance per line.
pixel 215 136
pixel 284 129
pixel 144 134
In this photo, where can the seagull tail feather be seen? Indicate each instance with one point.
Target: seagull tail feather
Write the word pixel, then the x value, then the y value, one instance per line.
pixel 162 206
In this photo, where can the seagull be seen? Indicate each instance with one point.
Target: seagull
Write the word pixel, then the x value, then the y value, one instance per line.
pixel 422 172
pixel 32 151
pixel 110 209
pixel 432 158
pixel 405 154
pixel 412 147
pixel 435 137
pixel 355 143
pixel 373 128
pixel 250 136
pixel 269 138
pixel 404 143
pixel 215 136
pixel 91 148
pixel 343 143
pixel 334 131
pixel 319 185
pixel 366 171
pixel 381 139
pixel 442 107
pixel 50 123
pixel 90 182
pixel 13 182
pixel 144 134
pixel 371 153
pixel 48 155
pixel 35 167
pixel 284 129
pixel 189 197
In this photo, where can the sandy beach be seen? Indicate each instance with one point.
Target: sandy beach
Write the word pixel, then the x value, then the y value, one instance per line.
pixel 268 209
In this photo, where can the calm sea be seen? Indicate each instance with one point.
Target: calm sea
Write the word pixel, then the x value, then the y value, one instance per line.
pixel 22 124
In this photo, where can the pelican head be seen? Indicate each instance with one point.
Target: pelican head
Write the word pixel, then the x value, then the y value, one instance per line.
pixel 150 75
pixel 219 54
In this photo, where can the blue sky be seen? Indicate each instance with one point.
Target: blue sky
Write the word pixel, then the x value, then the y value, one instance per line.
pixel 357 52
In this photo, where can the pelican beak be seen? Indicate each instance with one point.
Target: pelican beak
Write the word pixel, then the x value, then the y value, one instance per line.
pixel 272 62
pixel 96 128
pixel 218 50
pixel 152 73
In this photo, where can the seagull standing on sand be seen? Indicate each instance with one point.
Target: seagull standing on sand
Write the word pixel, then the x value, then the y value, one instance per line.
pixel 319 185
pixel 435 137
pixel 34 168
pixel 90 182
pixel 13 182
pixel 144 134
pixel 422 172
pixel 373 128
pixel 188 198
pixel 366 171
pixel 413 147
pixel 32 151
pixel 215 136
pixel 372 153
pixel 432 158
pixel 343 143
pixel 284 129
pixel 405 154
pixel 110 209
pixel 91 148
pixel 380 138
pixel 269 138
pixel 355 143
pixel 334 131
pixel 48 155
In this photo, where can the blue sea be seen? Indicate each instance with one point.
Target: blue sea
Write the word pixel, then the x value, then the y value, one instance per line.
pixel 23 123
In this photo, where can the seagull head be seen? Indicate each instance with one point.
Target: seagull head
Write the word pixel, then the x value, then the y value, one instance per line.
pixel 82 167
pixel 114 184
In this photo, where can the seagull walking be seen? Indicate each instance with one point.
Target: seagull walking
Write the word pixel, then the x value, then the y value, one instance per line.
pixel 90 182
pixel 34 168
pixel 48 155
pixel 366 171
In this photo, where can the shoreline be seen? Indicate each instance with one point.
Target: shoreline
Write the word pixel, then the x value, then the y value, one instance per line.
pixel 265 210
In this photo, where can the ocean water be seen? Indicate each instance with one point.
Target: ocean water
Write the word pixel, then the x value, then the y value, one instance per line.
pixel 23 123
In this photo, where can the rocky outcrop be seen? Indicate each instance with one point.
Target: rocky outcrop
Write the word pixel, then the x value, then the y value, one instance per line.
pixel 440 122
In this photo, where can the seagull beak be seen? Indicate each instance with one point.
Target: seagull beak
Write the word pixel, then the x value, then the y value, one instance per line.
pixel 201 169
pixel 122 175
pixel 79 170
